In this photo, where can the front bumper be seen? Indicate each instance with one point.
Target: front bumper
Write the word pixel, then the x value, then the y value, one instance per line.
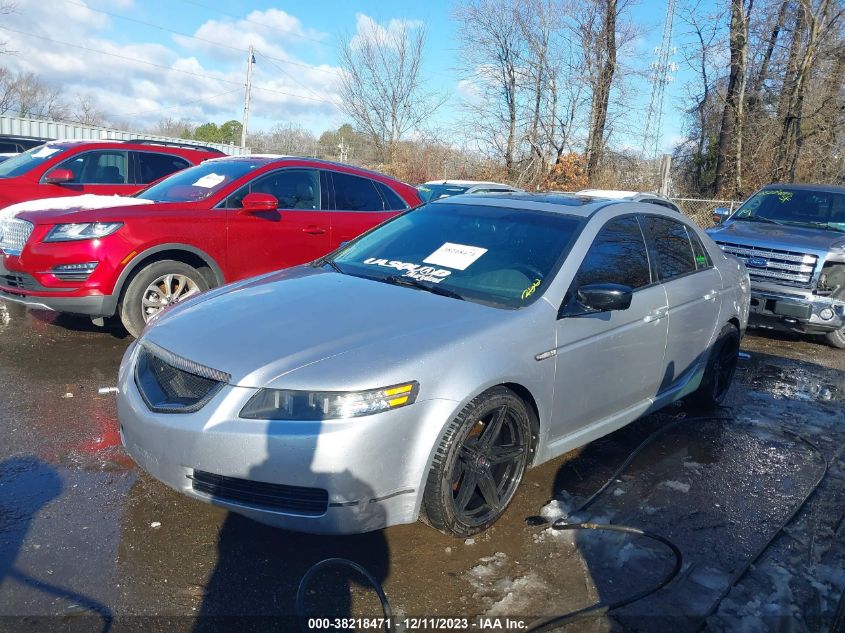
pixel 93 305
pixel 796 312
pixel 373 467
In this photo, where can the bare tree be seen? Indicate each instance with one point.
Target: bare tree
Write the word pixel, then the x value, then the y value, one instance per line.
pixel 85 110
pixel 602 46
pixel 493 48
pixel 729 152
pixel 381 88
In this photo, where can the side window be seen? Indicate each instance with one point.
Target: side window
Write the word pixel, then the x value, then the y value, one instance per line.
pixel 672 246
pixel 353 193
pixel 394 202
pixel 99 167
pixel 618 255
pixel 293 188
pixel 151 166
pixel 702 257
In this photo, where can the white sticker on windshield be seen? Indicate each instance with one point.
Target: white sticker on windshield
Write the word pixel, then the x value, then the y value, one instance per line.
pixel 457 256
pixel 209 180
pixel 45 152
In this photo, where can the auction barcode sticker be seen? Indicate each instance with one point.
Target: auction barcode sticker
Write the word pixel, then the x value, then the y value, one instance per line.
pixel 457 256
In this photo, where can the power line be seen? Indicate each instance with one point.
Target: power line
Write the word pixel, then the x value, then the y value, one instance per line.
pixel 153 64
pixel 179 105
pixel 294 79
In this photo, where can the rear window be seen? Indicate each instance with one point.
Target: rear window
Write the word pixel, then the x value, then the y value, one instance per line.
pixel 391 198
pixel 151 166
pixel 352 193
pixel 23 163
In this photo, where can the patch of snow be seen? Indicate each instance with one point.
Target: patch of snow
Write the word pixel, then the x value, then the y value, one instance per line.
pixel 519 595
pixel 710 578
pixel 618 492
pixel 83 202
pixel 675 485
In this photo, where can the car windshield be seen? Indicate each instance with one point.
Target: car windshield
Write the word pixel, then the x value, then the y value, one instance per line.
pixel 492 255
pixel 198 183
pixel 22 163
pixel 429 193
pixel 796 207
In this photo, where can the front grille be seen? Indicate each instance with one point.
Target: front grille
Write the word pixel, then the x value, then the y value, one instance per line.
pixel 257 494
pixel 14 234
pixel 792 268
pixel 171 384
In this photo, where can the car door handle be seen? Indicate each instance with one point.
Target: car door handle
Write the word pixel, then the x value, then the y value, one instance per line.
pixel 711 296
pixel 314 230
pixel 656 315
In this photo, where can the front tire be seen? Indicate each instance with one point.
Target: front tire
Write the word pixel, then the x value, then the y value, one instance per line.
pixel 720 370
pixel 154 288
pixel 478 464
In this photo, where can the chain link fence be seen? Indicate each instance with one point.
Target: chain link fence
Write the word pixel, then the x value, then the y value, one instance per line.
pixel 701 211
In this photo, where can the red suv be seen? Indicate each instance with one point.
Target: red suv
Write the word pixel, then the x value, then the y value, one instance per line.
pixel 218 222
pixel 68 168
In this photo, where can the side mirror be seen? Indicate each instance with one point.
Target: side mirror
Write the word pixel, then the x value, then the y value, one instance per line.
pixel 59 176
pixel 605 297
pixel 720 214
pixel 259 202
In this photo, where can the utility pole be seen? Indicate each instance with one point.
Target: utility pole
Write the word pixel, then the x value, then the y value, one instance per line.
pixel 250 62
pixel 344 150
pixel 661 75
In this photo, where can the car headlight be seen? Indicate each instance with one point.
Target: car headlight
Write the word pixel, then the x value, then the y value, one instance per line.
pixel 82 231
pixel 287 404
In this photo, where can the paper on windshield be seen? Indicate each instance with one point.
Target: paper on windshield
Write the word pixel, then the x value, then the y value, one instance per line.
pixel 457 256
pixel 209 180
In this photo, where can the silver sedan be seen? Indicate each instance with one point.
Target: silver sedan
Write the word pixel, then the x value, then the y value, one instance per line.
pixel 420 369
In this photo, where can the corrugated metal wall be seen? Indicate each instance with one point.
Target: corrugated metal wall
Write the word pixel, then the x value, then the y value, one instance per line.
pixel 17 126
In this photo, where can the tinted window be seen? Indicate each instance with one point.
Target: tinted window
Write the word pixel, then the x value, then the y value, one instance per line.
pixel 98 168
pixel 493 255
pixel 433 192
pixel 672 245
pixel 352 193
pixel 152 166
pixel 394 202
pixel 293 188
pixel 702 257
pixel 618 255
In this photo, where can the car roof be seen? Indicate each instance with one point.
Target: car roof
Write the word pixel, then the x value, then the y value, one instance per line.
pixel 565 203
pixel 808 187
pixel 267 159
pixel 187 146
pixel 468 183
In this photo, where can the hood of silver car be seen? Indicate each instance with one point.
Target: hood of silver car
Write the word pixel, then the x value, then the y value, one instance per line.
pixel 260 330
pixel 773 236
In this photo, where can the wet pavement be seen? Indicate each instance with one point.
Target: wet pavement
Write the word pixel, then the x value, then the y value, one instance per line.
pixel 89 542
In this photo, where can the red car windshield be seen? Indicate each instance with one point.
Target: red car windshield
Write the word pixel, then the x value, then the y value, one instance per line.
pixel 198 183
pixel 22 163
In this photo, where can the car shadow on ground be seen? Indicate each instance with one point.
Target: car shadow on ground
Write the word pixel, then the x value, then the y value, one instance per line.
pixel 77 323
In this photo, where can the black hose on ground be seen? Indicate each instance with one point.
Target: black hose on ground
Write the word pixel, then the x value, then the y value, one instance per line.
pixel 601 608
pixel 389 625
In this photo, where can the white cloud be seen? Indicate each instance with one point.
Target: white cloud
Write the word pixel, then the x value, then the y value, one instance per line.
pixel 141 82
pixel 366 28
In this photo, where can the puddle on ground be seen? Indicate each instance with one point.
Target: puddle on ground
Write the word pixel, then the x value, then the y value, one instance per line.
pixel 794 383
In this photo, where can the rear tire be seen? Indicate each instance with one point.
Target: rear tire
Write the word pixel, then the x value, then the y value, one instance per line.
pixel 478 464
pixel 720 370
pixel 156 287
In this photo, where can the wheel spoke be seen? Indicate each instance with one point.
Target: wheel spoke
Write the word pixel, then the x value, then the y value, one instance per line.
pixel 466 490
pixel 489 489
pixel 491 433
pixel 502 454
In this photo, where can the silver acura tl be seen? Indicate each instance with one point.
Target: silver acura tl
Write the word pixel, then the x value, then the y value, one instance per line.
pixel 420 369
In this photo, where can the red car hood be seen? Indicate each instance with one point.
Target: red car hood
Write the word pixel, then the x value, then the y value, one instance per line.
pixel 88 208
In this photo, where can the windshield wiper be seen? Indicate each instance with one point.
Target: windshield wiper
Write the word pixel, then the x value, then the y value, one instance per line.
pixel 759 218
pixel 396 280
pixel 328 262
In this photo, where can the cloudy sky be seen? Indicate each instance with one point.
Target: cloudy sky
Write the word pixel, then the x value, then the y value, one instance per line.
pixel 146 60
